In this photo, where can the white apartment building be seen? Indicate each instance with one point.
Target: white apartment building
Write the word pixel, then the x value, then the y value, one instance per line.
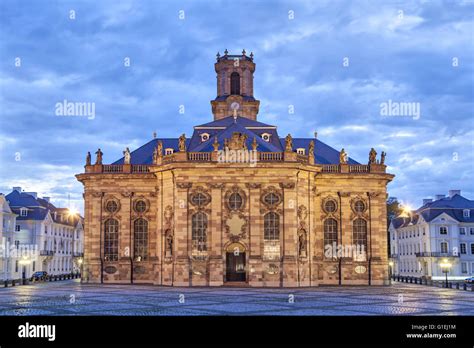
pixel 7 229
pixel 47 238
pixel 440 231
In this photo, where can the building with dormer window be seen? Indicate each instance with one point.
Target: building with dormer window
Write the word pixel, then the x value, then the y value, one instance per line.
pixel 47 238
pixel 439 231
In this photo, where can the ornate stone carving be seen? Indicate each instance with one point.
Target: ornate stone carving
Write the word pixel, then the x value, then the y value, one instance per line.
pixel 238 141
pixel 182 143
pixel 302 243
pixel 372 156
pixel 199 197
pixel 127 157
pixel 382 157
pixel 288 143
pixel 302 212
pixel 99 154
pixel 375 194
pixel 343 157
pixel 97 194
pixel 234 189
pixel 253 185
pixel 126 194
pixel 184 185
pixel 88 159
pixel 236 225
pixel 287 185
pixel 277 198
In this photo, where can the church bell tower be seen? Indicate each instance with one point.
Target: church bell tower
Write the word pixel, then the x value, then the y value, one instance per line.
pixel 235 87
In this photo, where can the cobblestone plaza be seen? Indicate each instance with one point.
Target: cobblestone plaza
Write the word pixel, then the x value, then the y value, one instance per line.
pixel 73 298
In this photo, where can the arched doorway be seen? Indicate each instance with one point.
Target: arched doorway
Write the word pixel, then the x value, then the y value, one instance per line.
pixel 235 263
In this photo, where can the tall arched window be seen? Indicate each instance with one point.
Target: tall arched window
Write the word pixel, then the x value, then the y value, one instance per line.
pixel 140 239
pixel 271 226
pixel 359 236
pixel 330 232
pixel 111 233
pixel 199 231
pixel 234 83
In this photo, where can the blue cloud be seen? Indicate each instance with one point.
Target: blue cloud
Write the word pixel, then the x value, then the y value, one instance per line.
pixel 396 51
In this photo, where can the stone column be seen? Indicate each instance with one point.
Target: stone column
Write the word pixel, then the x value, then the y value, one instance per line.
pixel 93 242
pixel 288 236
pixel 255 267
pixel 182 235
pixel 125 239
pixel 216 260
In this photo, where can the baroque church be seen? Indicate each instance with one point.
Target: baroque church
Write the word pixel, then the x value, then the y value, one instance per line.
pixel 236 204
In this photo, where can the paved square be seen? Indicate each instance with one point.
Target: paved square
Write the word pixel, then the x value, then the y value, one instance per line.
pixel 73 298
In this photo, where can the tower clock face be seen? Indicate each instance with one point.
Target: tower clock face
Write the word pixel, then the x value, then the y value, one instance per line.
pixel 235 106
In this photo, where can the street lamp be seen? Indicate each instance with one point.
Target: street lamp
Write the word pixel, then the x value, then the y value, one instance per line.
pixel 24 261
pixel 391 267
pixel 445 266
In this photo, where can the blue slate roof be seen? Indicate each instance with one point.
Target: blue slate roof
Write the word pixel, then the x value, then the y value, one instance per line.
pixel 37 208
pixel 453 206
pixel 323 154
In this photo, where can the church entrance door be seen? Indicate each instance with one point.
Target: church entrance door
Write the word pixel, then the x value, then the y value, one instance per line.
pixel 235 263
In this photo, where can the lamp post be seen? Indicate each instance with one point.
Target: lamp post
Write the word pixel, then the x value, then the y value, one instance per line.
pixel 24 262
pixel 391 270
pixel 445 266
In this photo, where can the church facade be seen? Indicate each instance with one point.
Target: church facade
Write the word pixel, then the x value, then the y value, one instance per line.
pixel 236 204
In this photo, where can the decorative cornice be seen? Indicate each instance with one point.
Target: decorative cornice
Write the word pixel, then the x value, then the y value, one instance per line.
pixel 184 185
pixel 287 185
pixel 252 185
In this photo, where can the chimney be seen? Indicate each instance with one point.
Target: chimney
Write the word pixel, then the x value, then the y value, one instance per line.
pixel 17 188
pixel 427 200
pixel 34 194
pixel 438 197
pixel 47 199
pixel 454 192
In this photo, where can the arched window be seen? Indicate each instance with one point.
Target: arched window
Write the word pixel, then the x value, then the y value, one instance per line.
pixel 330 232
pixel 199 231
pixel 140 239
pixel 234 83
pixel 111 233
pixel 271 226
pixel 359 235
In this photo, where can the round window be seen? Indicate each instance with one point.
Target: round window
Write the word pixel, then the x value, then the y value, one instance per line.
pixel 272 198
pixel 235 201
pixel 199 199
pixel 359 206
pixel 140 206
pixel 330 206
pixel 111 206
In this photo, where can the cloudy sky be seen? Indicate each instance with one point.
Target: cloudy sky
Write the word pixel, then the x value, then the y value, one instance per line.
pixel 336 62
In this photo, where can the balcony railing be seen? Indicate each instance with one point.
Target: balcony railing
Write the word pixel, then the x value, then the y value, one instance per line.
pixel 46 252
pixel 209 157
pixel 199 156
pixel 436 254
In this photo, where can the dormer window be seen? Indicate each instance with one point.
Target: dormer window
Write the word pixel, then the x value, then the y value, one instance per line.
pixel 204 137
pixel 23 212
pixel 266 137
pixel 169 151
pixel 466 213
pixel 301 151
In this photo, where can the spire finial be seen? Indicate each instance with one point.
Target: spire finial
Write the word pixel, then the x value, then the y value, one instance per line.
pixel 251 55
pixel 218 55
pixel 226 52
pixel 243 52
